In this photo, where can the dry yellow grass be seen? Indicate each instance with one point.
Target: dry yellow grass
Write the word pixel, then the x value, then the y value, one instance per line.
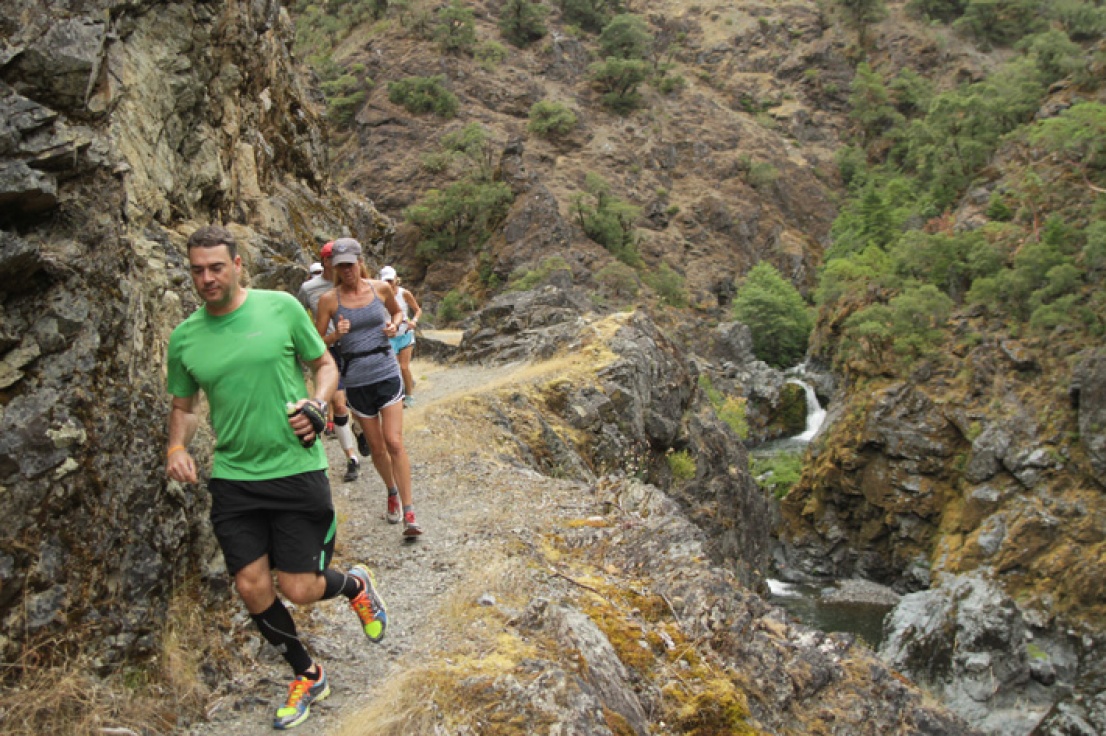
pixel 71 698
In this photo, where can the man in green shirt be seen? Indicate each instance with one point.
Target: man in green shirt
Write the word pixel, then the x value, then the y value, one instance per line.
pixel 271 505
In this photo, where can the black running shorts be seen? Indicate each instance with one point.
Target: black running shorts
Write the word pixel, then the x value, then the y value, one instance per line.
pixel 367 401
pixel 290 519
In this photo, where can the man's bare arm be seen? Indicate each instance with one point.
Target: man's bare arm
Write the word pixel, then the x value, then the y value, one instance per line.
pixel 183 423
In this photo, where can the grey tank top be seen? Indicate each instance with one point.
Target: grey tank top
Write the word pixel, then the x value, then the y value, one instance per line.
pixel 366 353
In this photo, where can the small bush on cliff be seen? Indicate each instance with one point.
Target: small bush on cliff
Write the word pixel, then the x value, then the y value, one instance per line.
pixel 776 314
pixel 591 15
pixel 454 305
pixel 777 473
pixel 626 37
pixel 618 80
pixel 522 22
pixel 460 216
pixel 682 465
pixel 668 284
pixel 618 280
pixel 607 220
pixel 551 119
pixel 1001 22
pixel 524 280
pixel 455 28
pixel 490 54
pixel 474 146
pixel 730 409
pixel 344 95
pixel 424 94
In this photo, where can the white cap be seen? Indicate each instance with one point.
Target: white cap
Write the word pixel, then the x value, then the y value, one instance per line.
pixel 387 274
pixel 316 268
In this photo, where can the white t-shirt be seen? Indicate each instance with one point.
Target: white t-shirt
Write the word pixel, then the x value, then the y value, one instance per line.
pixel 403 328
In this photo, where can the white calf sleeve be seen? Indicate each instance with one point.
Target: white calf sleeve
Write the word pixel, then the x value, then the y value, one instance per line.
pixel 345 435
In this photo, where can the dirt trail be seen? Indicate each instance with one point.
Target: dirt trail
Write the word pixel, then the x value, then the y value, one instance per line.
pixel 466 501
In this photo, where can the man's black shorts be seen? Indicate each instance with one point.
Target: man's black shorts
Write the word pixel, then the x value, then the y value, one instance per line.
pixel 367 401
pixel 290 519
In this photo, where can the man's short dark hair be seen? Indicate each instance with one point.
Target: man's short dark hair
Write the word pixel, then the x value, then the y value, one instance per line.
pixel 212 236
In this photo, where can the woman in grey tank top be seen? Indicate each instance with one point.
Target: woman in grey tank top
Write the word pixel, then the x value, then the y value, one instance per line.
pixel 366 314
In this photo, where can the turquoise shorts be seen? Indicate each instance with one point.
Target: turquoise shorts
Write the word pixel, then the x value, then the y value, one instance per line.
pixel 400 342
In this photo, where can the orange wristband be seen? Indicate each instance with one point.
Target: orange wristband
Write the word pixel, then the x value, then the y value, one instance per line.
pixel 175 448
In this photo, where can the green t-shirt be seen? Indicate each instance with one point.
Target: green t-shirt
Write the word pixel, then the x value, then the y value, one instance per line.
pixel 247 363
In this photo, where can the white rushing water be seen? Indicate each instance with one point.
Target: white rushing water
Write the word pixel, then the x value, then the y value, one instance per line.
pixel 815 414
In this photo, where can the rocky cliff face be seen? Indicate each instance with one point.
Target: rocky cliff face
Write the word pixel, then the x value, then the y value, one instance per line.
pixel 986 495
pixel 124 126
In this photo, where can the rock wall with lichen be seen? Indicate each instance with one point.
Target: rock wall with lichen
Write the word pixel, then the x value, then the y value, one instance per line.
pixel 123 126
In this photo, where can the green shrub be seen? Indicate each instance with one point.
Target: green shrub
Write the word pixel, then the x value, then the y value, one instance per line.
pixel 730 409
pixel 550 119
pixel 949 262
pixel 619 280
pixel 590 15
pixel 669 286
pixel 625 37
pixel 524 280
pixel 458 217
pixel 945 11
pixel 1083 21
pixel 522 22
pixel 607 220
pixel 871 105
pixel 424 94
pixel 455 28
pixel 454 306
pixel 437 162
pixel 682 465
pixel 1056 55
pixel 777 316
pixel 491 54
pixel 618 80
pixel 777 474
pixel 1078 133
pixel 666 84
pixel 1001 22
pixel 1094 252
pixel 732 412
pixel 473 144
pixel 761 175
pixel 863 12
pixel 998 210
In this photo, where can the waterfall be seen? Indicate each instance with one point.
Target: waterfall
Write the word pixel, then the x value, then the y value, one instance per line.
pixel 815 414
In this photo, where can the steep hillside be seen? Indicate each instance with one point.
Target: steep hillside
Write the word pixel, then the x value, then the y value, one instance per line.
pixel 732 167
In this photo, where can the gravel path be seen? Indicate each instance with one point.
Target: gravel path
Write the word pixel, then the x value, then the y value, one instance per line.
pixel 462 498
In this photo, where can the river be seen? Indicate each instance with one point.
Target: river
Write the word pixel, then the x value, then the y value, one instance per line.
pixel 851 606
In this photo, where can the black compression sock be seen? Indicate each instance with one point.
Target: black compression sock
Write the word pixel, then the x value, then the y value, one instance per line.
pixel 340 583
pixel 278 628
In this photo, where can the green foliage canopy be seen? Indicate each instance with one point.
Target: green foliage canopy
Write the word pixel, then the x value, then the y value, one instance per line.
pixel 522 22
pixel 455 29
pixel 459 216
pixel 776 314
pixel 424 94
pixel 551 119
pixel 591 15
pixel 607 220
pixel 626 37
pixel 619 80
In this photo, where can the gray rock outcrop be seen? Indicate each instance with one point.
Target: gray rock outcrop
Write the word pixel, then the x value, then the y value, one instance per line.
pixel 123 125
